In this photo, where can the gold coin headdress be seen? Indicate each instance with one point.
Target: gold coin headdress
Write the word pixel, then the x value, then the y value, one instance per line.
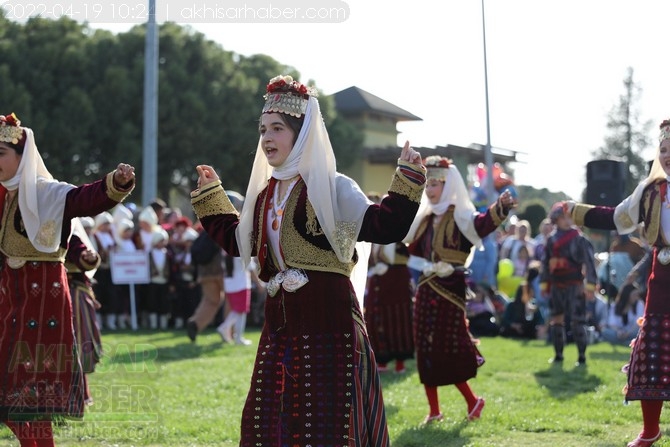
pixel 437 167
pixel 10 129
pixel 284 95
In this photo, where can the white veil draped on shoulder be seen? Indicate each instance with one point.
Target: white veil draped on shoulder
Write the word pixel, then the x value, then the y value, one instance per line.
pixel 338 201
pixel 454 193
pixel 41 198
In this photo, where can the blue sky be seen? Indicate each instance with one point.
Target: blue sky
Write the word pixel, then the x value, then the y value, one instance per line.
pixel 555 69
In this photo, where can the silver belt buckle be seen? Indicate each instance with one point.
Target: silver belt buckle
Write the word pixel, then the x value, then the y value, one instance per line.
pixel 291 280
pixel 663 255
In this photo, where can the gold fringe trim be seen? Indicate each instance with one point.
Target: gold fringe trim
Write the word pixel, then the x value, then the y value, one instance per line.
pixel 497 213
pixel 211 200
pixel 115 193
pixel 652 209
pixel 579 213
pixel 405 187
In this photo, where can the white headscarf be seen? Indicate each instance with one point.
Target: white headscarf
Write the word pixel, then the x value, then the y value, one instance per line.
pixel 338 201
pixel 627 213
pixel 454 193
pixel 103 218
pixel 121 216
pixel 41 198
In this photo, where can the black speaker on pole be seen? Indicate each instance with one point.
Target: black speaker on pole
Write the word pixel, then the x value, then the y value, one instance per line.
pixel 605 182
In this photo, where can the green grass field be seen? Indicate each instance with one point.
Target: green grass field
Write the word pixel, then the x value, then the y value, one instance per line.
pixel 158 389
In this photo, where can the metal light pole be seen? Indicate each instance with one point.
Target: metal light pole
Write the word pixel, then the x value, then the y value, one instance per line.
pixel 488 156
pixel 150 134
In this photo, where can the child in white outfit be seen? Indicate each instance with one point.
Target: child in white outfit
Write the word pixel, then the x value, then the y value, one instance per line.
pixel 237 288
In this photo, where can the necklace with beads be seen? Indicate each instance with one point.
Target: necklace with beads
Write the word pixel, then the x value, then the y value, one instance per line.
pixel 278 205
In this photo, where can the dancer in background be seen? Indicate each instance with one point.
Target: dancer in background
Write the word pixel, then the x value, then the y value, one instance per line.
pixel 81 262
pixel 445 230
pixel 388 306
pixel 569 277
pixel 648 205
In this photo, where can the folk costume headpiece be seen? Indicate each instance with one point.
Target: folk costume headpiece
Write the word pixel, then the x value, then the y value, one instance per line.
pixel 454 193
pixel 11 130
pixel 665 131
pixel 338 202
pixel 437 167
pixel 41 198
pixel 284 95
pixel 626 214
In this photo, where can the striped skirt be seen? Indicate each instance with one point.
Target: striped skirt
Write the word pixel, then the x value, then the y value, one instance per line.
pixel 388 314
pixel 649 367
pixel 315 380
pixel 445 351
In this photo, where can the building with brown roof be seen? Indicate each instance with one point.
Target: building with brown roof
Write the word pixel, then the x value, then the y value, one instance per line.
pixel 377 120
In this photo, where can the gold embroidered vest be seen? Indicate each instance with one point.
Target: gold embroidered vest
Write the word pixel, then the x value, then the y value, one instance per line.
pixel 304 245
pixel 15 244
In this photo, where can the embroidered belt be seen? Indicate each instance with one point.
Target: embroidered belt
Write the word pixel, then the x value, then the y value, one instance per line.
pixel 663 255
pixel 441 269
pixel 380 269
pixel 290 279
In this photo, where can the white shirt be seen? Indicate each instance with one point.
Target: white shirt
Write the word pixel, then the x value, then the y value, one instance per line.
pixel 241 277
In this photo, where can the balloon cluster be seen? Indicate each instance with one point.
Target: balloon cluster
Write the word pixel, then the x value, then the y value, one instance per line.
pixel 501 182
pixel 507 282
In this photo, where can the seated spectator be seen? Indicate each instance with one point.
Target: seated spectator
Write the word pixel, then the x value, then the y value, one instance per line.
pixel 521 262
pixel 485 262
pixel 622 324
pixel 522 317
pixel 481 313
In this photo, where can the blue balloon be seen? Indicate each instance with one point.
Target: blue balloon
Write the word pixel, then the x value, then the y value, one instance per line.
pixel 512 190
pixel 478 196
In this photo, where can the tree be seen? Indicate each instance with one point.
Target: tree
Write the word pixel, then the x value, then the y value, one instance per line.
pixel 628 136
pixel 82 92
pixel 534 211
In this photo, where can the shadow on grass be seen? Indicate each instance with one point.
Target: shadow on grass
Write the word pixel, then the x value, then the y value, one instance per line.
pixel 434 434
pixel 148 352
pixel 564 383
pixel 391 378
pixel 621 353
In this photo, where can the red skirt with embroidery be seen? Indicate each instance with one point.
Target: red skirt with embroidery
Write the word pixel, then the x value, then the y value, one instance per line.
pixel 445 352
pixel 41 372
pixel 314 381
pixel 388 314
pixel 649 367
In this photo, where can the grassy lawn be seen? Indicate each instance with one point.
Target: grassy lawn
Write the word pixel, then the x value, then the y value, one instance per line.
pixel 158 389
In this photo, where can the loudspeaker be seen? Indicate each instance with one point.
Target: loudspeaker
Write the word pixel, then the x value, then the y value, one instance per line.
pixel 605 182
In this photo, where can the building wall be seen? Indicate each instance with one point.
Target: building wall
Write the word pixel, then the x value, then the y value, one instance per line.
pixel 378 130
pixel 371 177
